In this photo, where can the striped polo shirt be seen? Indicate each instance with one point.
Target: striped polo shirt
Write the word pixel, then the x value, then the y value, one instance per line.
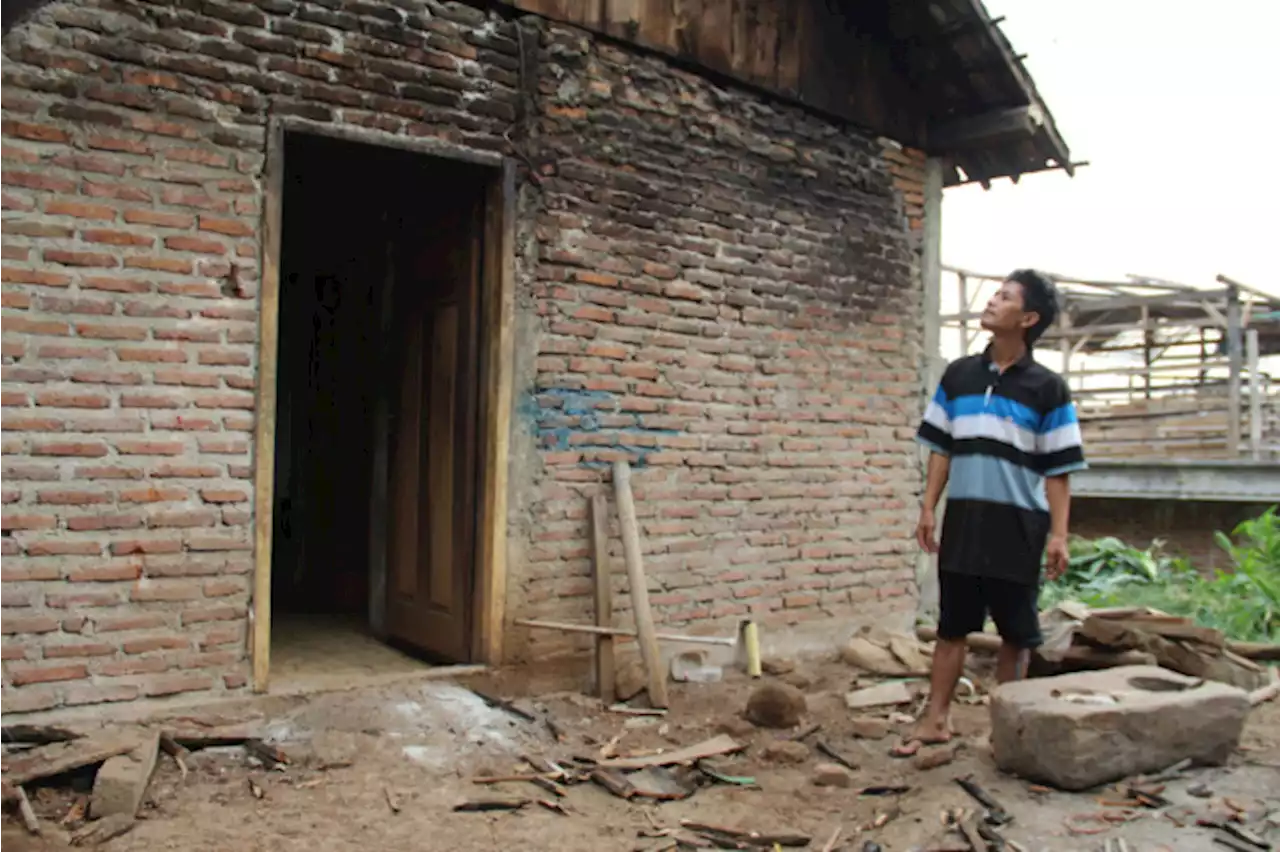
pixel 1004 433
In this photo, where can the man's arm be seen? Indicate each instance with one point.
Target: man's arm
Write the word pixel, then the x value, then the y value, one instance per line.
pixel 936 480
pixel 1061 452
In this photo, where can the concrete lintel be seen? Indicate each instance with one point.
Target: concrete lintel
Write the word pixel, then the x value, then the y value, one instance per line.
pixel 1227 481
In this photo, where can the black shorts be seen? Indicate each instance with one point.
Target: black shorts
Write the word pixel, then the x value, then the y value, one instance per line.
pixel 965 601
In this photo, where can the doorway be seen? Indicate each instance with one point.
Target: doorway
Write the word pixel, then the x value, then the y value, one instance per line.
pixel 377 465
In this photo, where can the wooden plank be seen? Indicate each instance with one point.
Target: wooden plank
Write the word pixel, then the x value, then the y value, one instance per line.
pixel 55 759
pixel 657 677
pixel 1203 635
pixel 605 673
pixel 498 346
pixel 264 455
pixel 441 457
pixel 722 744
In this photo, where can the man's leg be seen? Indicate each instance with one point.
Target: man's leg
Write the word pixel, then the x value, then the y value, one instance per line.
pixel 961 613
pixel 1017 616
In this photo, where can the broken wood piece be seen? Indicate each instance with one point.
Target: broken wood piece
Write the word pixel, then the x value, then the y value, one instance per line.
pixel 1263 694
pixel 606 672
pixel 751 838
pixel 839 758
pixel 478 805
pixel 543 765
pixel 885 790
pixel 37 734
pixel 100 831
pixel 255 789
pixel 27 812
pixel 1232 843
pixel 968 828
pixel 177 752
pixel 831 841
pixel 60 757
pixel 1239 832
pixel 639 585
pixel 995 812
pixel 722 744
pixel 716 775
pixel 505 705
pixel 804 733
pixel 613 781
pixel 548 785
pixel 554 806
pixel 892 692
pixel 267 753
pixel 393 802
pixel 625 710
pixel 526 776
pixel 659 782
pixel 77 813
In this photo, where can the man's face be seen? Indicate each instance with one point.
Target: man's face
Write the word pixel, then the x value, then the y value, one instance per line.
pixel 1006 312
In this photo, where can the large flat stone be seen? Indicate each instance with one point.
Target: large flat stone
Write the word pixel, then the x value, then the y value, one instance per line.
pixel 1076 731
pixel 122 781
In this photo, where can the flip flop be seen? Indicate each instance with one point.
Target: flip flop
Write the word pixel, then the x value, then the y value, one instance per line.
pixel 911 746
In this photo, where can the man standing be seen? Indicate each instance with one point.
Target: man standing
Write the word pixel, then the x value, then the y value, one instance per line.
pixel 1004 437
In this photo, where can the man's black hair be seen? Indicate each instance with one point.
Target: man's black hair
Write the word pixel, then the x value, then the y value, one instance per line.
pixel 1038 296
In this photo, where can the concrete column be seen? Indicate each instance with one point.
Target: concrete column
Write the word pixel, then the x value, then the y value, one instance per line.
pixel 933 362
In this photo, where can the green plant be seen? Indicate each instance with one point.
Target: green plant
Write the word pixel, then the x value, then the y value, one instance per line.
pixel 1243 601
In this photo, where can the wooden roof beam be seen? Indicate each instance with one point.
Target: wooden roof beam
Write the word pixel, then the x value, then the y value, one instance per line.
pixel 978 131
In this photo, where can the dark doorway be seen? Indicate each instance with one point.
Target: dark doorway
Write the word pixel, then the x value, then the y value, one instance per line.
pixel 376 407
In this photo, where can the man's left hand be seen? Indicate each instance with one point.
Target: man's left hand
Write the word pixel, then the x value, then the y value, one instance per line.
pixel 1055 553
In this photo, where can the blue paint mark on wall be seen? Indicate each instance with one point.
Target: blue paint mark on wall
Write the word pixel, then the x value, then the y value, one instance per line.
pixel 558 414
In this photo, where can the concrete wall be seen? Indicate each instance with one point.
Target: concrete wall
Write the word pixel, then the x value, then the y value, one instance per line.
pixel 1186 526
pixel 721 289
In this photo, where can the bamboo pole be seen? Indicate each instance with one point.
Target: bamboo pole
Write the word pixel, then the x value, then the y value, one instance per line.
pixel 605 673
pixel 621 632
pixel 639 585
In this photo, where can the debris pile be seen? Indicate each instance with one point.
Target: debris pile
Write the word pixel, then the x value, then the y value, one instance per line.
pixel 110 768
pixel 1080 638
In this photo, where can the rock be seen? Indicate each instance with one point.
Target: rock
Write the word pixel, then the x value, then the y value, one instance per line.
pixel 630 679
pixel 775 705
pixel 831 775
pixel 777 665
pixel 736 727
pixel 122 781
pixel 785 751
pixel 885 652
pixel 870 727
pixel 1077 731
pixel 867 655
pixel 931 757
pixel 799 680
pixel 881 695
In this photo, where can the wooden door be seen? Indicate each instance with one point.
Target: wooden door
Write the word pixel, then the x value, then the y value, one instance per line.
pixel 433 474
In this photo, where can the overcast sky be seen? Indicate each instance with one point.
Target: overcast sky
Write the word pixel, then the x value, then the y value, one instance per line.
pixel 1175 105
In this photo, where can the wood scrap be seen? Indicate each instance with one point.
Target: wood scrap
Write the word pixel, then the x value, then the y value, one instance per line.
pixel 805 732
pixel 892 692
pixel 613 781
pixel 177 752
pixel 27 813
pixel 722 744
pixel 100 831
pixel 37 734
pixel 267 753
pixel 831 841
pixel 505 705
pixel 995 812
pixel 60 757
pixel 77 813
pixel 639 585
pixel 839 758
pixel 625 710
pixel 393 801
pixel 1263 694
pixel 749 838
pixel 554 806
pixel 525 776
pixel 661 783
pixel 968 828
pixel 1079 656
pixel 480 805
pixel 255 789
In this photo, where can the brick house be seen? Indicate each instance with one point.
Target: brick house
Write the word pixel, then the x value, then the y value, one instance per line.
pixel 344 307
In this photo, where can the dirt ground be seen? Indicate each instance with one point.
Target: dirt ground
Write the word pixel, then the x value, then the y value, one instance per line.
pixel 418 744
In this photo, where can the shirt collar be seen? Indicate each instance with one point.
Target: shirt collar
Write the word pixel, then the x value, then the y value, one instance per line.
pixel 1021 364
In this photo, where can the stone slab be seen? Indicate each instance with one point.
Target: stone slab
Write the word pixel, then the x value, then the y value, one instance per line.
pixel 122 781
pixel 1076 731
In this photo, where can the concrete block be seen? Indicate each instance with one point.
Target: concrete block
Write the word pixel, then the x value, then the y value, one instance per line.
pixel 122 781
pixel 1080 730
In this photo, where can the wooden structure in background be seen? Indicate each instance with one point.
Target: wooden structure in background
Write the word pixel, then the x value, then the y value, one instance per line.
pixel 939 76
pixel 1158 369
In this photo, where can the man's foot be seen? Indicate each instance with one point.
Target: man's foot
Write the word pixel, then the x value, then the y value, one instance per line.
pixel 924 735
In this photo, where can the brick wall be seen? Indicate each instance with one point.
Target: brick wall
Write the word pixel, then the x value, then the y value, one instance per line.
pixel 719 288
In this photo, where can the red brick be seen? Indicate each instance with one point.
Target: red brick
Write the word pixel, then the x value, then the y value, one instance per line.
pixel 80 210
pixel 76 696
pixel 153 356
pixel 46 674
pixel 194 244
pixel 104 573
pixel 13 624
pixel 172 684
pixel 223 495
pixel 73 399
pixel 115 238
pixel 159 218
pixel 156 643
pixel 34 276
pixel 80 258
pixel 154 494
pixel 230 227
pixel 84 449
pixel 116 285
pixel 177 265
pixel 72 496
pixel 140 621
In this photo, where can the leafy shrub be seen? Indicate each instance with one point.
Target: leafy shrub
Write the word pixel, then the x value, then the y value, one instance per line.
pixel 1243 602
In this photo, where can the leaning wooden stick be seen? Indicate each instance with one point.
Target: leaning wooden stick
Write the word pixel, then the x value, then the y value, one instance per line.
pixel 622 632
pixel 639 585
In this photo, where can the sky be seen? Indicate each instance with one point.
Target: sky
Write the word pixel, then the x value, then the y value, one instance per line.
pixel 1175 106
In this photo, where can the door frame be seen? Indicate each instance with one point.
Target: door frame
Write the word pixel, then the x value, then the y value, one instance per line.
pixel 496 378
